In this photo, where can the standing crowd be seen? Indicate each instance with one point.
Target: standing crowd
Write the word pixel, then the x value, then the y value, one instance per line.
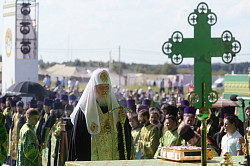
pixel 30 132
pixel 171 121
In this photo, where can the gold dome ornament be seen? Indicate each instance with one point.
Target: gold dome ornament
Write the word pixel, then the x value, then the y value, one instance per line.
pixel 226 160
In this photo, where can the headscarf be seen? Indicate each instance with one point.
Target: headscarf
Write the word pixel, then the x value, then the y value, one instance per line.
pixel 88 105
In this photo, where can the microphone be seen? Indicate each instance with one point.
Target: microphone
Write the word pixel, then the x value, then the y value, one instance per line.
pixel 236 98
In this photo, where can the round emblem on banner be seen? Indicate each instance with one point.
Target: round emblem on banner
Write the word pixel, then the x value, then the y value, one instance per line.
pixel 8 42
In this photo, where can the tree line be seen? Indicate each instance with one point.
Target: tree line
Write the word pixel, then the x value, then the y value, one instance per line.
pixel 166 68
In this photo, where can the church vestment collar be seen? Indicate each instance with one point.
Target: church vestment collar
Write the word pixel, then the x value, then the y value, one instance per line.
pixel 30 125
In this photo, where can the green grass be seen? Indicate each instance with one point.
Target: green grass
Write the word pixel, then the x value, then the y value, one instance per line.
pixel 144 87
pixel 156 89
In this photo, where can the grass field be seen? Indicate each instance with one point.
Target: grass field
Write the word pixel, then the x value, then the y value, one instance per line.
pixel 144 87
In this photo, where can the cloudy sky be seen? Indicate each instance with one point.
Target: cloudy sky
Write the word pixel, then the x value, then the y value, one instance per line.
pixel 94 29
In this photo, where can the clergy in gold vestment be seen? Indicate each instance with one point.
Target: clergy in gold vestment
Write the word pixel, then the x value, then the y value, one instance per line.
pixel 97 132
pixel 148 138
pixel 170 136
pixel 28 151
pixel 135 133
pixel 18 121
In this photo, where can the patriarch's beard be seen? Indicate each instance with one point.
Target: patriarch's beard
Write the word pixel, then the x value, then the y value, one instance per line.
pixel 103 101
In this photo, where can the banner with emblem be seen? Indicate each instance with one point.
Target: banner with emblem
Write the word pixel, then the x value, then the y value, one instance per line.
pixel 8 44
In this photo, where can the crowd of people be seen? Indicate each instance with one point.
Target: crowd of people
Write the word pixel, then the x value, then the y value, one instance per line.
pixel 30 132
pixel 60 85
pixel 25 126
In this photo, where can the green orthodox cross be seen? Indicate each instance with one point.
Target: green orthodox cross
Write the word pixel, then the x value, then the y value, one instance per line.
pixel 202 48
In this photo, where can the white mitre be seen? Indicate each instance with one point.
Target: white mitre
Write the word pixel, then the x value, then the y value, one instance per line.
pixel 88 105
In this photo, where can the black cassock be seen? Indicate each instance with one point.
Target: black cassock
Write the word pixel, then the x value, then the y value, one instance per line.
pixel 80 145
pixel 40 128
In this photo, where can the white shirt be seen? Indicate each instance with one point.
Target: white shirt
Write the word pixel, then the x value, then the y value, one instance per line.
pixel 151 94
pixel 46 81
pixel 70 83
pixel 230 143
pixel 77 84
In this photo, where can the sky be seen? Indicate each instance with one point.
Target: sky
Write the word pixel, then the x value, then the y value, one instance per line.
pixel 95 29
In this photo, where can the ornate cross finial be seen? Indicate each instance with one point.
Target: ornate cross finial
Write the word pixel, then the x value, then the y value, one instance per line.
pixel 202 48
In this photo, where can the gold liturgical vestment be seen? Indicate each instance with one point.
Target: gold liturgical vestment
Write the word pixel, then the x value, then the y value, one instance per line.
pixel 104 145
pixel 15 135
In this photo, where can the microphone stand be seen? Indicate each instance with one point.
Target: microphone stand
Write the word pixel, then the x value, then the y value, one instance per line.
pixel 246 162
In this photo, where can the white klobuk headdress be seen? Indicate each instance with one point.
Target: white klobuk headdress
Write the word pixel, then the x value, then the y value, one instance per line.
pixel 88 104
